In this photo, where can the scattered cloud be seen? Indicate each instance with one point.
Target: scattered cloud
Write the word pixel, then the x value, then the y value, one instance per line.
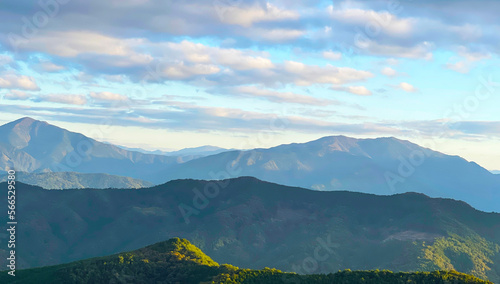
pixel 69 99
pixel 275 96
pixel 460 67
pixel 407 87
pixel 420 51
pixel 389 72
pixel 305 75
pixel 17 95
pixel 467 59
pixel 332 55
pixel 47 66
pixel 247 16
pixel 10 80
pixel 383 21
pixel 107 96
pixel 355 90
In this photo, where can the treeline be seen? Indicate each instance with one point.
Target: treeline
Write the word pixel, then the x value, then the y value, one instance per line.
pixel 178 261
pixel 348 277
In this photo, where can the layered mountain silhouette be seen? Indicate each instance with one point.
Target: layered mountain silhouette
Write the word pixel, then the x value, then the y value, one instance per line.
pixel 33 146
pixel 67 180
pixel 186 153
pixel 379 166
pixel 256 224
pixel 179 261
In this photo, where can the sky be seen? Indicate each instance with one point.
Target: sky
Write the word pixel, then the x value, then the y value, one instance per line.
pixel 247 74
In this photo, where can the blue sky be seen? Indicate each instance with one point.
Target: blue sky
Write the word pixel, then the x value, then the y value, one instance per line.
pixel 245 74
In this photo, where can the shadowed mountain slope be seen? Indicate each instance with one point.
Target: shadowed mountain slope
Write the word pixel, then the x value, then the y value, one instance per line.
pixel 256 224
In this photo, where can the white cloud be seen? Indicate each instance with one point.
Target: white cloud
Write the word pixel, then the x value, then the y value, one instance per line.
pixel 179 70
pixel 69 99
pixel 280 97
pixel 247 16
pixel 383 21
pixel 14 81
pixel 48 66
pixel 421 51
pixel 107 96
pixel 407 87
pixel 332 55
pixel 467 60
pixel 200 53
pixel 89 45
pixel 472 56
pixel 17 95
pixel 114 78
pixel 389 72
pixel 308 74
pixel 460 67
pixel 355 90
pixel 275 35
pixel 5 60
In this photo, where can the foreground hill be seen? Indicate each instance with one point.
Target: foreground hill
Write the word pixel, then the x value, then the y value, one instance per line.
pixel 178 261
pixel 256 224
pixel 67 180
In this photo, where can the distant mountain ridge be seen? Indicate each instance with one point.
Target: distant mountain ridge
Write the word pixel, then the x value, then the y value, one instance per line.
pixel 70 180
pixel 256 224
pixel 379 166
pixel 197 152
pixel 184 155
pixel 33 146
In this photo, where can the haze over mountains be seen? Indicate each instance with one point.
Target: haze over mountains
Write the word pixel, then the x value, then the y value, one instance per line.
pixel 186 153
pixel 35 146
pixel 68 180
pixel 379 166
pixel 254 224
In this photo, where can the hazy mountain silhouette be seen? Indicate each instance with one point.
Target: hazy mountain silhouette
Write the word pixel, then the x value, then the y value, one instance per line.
pixel 34 146
pixel 67 180
pixel 186 153
pixel 380 166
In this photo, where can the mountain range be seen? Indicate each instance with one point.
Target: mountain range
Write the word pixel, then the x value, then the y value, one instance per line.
pixel 67 180
pixel 34 146
pixel 186 153
pixel 380 166
pixel 256 224
pixel 179 261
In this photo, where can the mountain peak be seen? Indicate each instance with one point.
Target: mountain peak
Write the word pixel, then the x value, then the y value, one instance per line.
pixel 25 122
pixel 183 247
